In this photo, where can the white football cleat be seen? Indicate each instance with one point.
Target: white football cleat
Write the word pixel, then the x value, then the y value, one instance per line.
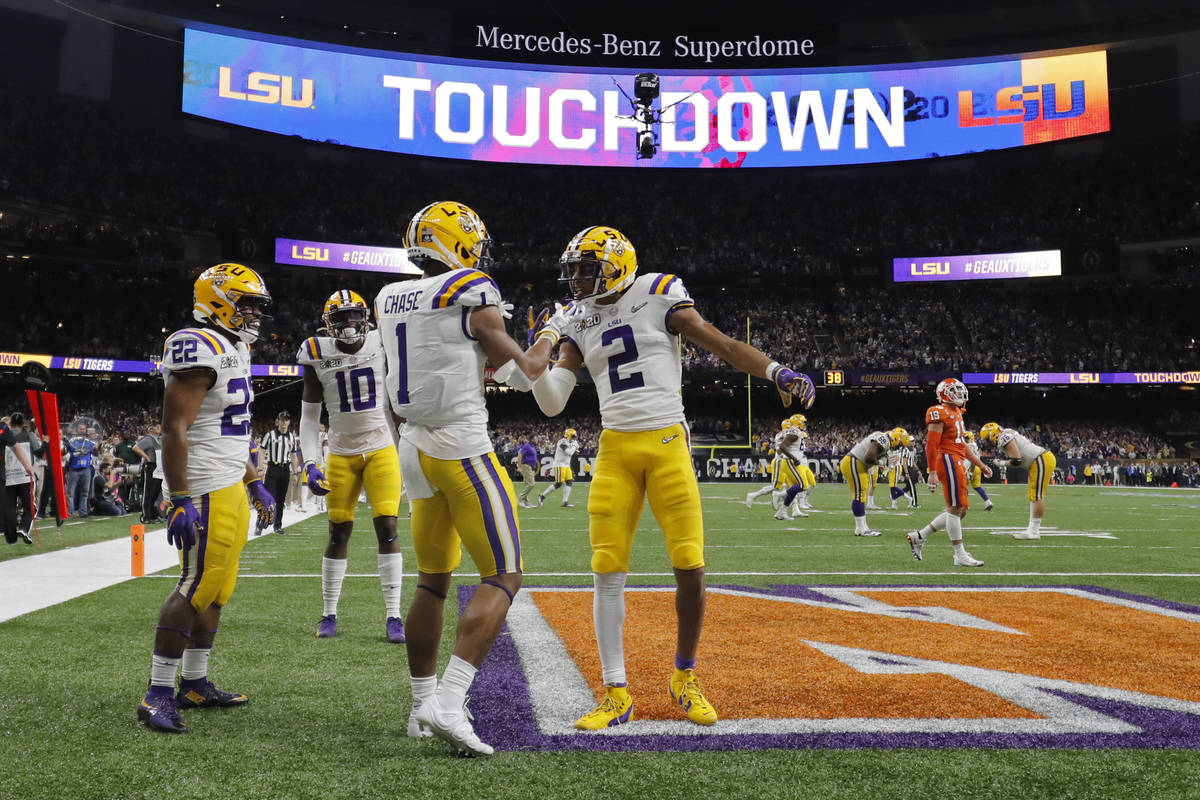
pixel 798 513
pixel 1026 535
pixel 452 725
pixel 867 532
pixel 989 505
pixel 966 560
pixel 916 541
pixel 782 514
pixel 749 499
pixel 415 731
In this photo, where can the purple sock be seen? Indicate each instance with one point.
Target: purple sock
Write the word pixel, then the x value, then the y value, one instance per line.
pixel 684 663
pixel 160 691
pixel 982 493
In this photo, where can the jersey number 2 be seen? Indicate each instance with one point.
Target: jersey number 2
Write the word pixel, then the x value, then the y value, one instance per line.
pixel 228 426
pixel 627 355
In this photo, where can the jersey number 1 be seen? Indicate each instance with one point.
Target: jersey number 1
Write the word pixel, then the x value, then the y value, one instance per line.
pixel 402 363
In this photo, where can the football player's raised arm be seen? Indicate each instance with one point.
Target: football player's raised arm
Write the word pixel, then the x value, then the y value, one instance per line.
pixel 696 329
pixel 554 387
pixel 182 398
pixel 487 326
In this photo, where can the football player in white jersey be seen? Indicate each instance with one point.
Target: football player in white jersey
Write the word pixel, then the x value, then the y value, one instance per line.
pixel 1014 450
pixel 974 473
pixel 799 453
pixel 437 332
pixel 205 452
pixel 345 368
pixel 626 329
pixel 783 470
pixel 855 466
pixel 564 451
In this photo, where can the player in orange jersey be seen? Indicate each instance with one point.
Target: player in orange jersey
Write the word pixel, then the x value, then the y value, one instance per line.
pixel 945 454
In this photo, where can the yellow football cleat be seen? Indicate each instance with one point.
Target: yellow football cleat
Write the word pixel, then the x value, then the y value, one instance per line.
pixel 615 709
pixel 685 690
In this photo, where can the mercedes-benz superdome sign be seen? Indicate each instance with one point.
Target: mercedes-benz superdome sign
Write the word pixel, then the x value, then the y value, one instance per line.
pixel 538 114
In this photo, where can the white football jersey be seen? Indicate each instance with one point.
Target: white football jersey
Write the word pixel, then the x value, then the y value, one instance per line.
pixel 632 356
pixel 434 365
pixel 788 450
pixel 219 439
pixel 352 386
pixel 564 452
pixel 893 459
pixel 1028 450
pixel 880 438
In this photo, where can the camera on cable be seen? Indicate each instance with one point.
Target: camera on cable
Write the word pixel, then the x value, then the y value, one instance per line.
pixel 645 92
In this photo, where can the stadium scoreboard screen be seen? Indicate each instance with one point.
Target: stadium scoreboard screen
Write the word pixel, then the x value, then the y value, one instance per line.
pixel 538 114
pixel 333 255
pixel 988 266
pixel 1081 378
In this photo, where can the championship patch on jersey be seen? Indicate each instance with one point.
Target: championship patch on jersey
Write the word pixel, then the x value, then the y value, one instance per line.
pixel 866 666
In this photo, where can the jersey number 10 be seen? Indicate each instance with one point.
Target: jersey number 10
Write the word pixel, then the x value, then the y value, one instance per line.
pixel 353 393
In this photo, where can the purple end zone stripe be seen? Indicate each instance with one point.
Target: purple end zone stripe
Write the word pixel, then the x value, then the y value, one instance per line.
pixel 504 715
pixel 489 521
pixel 473 282
pixel 489 461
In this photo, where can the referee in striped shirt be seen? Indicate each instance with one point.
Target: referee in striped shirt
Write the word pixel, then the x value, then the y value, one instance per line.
pixel 281 449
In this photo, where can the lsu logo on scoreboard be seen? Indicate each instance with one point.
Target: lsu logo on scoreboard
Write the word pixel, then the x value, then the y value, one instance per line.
pixel 923 268
pixel 283 370
pixel 1019 104
pixel 310 253
pixel 267 88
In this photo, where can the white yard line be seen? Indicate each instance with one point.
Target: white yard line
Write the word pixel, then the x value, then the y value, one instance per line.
pixel 39 581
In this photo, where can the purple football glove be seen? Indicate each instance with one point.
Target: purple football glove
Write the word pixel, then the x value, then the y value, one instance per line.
pixel 263 502
pixel 791 383
pixel 182 521
pixel 536 323
pixel 315 479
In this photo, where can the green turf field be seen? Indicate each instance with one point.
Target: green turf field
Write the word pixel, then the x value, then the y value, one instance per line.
pixel 327 717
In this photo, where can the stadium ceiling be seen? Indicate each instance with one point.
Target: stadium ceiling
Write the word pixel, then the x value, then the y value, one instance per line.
pixel 861 31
